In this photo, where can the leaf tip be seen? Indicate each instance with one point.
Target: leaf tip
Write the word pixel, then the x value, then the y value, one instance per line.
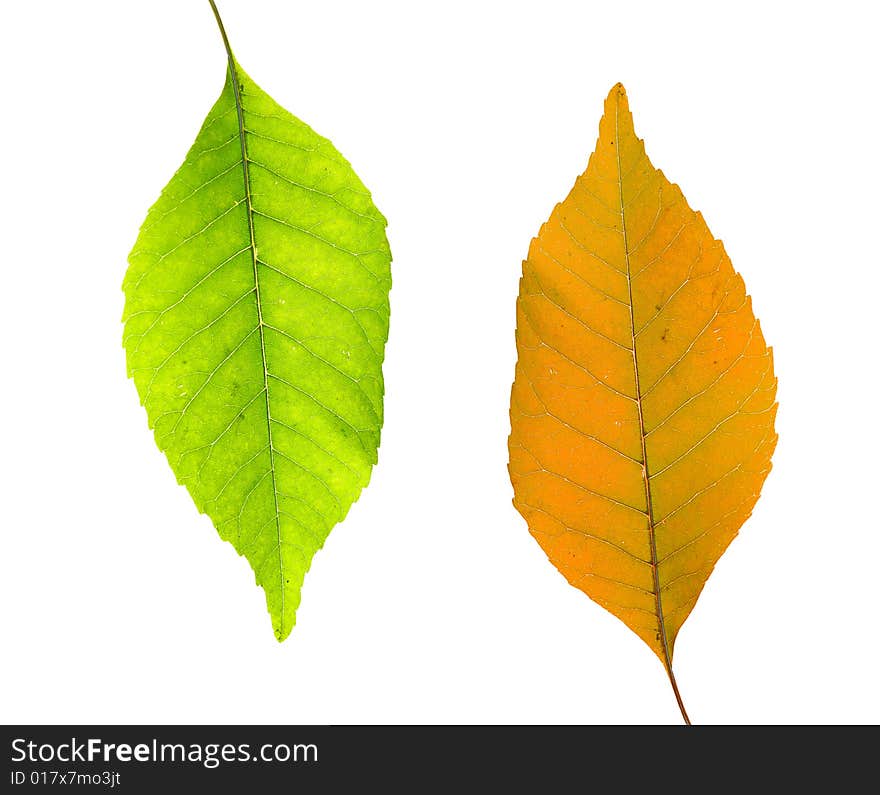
pixel 282 629
pixel 617 94
pixel 617 105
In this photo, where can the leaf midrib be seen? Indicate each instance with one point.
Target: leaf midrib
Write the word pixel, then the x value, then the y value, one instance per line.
pixel 652 537
pixel 242 137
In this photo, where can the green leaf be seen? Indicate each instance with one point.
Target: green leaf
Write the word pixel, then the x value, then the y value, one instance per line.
pixel 256 315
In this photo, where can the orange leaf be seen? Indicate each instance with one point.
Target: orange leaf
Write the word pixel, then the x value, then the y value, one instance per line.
pixel 643 405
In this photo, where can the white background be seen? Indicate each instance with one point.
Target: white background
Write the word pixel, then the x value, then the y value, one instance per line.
pixel 431 603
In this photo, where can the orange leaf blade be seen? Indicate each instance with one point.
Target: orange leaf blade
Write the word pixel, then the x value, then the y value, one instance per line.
pixel 642 410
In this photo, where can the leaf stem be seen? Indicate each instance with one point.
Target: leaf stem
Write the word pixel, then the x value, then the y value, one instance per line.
pixel 684 714
pixel 222 32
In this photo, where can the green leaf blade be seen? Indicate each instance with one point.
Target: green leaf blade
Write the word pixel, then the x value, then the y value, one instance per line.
pixel 256 317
